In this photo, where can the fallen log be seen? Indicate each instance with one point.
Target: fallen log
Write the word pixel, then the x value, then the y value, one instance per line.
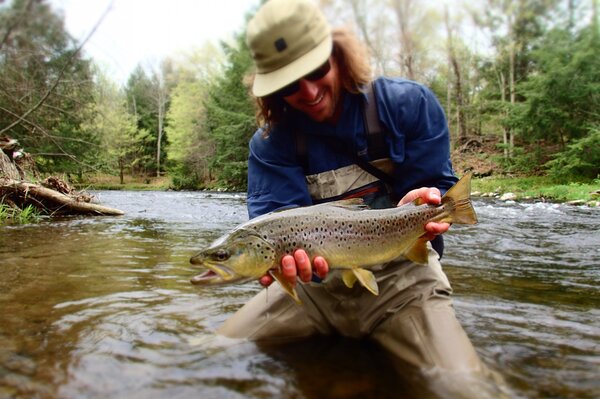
pixel 53 196
pixel 52 201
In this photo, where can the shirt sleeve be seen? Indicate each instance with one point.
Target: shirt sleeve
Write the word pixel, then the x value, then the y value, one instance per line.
pixel 419 139
pixel 275 180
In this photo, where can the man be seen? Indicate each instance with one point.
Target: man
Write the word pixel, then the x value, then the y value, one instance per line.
pixel 310 86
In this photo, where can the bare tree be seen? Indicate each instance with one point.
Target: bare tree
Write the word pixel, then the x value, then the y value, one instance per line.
pixel 160 98
pixel 458 80
pixel 404 11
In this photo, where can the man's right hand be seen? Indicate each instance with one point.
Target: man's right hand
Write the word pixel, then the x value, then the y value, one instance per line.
pixel 299 265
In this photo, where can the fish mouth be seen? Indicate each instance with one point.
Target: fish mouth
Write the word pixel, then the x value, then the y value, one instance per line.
pixel 216 274
pixel 208 277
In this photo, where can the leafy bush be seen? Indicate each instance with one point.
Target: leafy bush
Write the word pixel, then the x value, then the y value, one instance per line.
pixel 580 161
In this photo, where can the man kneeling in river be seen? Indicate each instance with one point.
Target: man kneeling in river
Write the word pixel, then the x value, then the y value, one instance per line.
pixel 310 86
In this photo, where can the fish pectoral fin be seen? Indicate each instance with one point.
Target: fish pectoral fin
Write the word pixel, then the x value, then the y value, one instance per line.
pixel 418 252
pixel 286 285
pixel 367 279
pixel 349 278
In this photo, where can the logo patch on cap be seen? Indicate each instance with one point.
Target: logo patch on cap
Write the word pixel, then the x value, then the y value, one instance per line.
pixel 280 44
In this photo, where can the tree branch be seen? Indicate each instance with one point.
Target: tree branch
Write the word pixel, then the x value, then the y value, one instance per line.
pixel 59 77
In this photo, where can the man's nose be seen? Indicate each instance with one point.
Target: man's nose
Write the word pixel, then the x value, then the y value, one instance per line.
pixel 308 89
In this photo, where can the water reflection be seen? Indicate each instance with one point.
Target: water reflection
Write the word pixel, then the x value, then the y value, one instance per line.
pixel 102 307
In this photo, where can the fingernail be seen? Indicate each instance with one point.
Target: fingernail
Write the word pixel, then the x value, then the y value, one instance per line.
pixel 287 262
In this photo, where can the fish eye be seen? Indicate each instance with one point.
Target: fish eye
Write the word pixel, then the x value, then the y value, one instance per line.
pixel 221 255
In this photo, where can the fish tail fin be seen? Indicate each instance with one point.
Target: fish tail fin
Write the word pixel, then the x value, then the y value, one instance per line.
pixel 286 285
pixel 459 198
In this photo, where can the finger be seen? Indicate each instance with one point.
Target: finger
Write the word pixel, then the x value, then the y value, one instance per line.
pixel 410 197
pixel 303 265
pixel 266 280
pixel 436 228
pixel 433 196
pixel 288 269
pixel 321 267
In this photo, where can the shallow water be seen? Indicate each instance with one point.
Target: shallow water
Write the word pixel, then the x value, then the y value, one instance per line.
pixel 102 307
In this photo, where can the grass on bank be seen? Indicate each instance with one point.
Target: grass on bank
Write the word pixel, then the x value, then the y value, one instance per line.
pixel 538 187
pixel 133 183
pixel 10 214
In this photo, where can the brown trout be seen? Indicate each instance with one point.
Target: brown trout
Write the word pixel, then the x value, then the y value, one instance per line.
pixel 347 234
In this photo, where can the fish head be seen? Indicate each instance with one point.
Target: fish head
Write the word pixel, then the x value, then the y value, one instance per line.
pixel 240 256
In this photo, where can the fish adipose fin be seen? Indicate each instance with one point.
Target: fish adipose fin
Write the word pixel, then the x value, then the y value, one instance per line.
pixel 287 287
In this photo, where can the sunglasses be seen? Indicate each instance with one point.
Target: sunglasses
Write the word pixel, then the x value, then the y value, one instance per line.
pixel 315 75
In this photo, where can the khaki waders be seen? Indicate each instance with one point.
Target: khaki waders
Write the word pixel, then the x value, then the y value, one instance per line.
pixel 412 317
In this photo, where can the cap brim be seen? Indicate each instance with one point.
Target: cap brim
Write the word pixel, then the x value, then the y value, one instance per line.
pixel 269 83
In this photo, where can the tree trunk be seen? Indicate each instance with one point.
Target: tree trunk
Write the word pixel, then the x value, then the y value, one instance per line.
pixel 511 75
pixel 49 200
pixel 458 91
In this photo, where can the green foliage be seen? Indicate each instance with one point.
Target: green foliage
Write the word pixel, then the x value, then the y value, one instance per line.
pixel 580 161
pixel 537 187
pixel 144 93
pixel 183 178
pixel 113 126
pixel 46 87
pixel 230 118
pixel 10 214
pixel 562 99
pixel 523 162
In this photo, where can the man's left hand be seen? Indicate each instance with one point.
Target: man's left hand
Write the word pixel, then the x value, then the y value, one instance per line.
pixel 432 196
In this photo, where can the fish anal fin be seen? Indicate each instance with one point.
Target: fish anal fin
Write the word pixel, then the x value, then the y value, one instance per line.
pixel 286 285
pixel 367 279
pixel 418 252
pixel 349 278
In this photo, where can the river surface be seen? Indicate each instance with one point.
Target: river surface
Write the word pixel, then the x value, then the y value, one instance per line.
pixel 102 307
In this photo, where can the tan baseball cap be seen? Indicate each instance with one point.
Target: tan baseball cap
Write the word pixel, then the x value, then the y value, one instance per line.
pixel 288 39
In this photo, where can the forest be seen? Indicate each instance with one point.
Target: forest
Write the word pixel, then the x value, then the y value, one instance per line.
pixel 519 78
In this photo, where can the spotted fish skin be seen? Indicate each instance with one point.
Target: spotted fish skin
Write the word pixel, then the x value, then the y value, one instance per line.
pixel 347 234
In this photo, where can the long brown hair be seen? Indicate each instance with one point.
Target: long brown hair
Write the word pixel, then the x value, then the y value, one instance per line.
pixel 352 60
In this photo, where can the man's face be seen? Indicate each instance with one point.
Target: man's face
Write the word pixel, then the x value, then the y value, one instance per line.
pixel 318 99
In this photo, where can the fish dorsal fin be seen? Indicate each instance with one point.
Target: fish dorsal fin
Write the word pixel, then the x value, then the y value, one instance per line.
pixel 287 287
pixel 367 279
pixel 418 252
pixel 418 201
pixel 350 203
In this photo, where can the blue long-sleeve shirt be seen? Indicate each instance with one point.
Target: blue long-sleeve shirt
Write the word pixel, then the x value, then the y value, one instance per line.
pixel 418 141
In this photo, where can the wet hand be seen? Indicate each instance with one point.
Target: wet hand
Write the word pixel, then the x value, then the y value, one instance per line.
pixel 299 265
pixel 432 196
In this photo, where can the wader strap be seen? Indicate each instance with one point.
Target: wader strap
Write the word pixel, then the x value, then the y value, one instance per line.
pixel 376 145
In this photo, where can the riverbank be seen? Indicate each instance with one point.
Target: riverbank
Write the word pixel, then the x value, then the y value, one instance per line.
pixel 508 188
pixel 537 188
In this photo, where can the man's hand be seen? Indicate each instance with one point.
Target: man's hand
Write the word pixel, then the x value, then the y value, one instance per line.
pixel 430 195
pixel 299 265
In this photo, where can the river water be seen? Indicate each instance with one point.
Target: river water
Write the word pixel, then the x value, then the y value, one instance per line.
pixel 102 307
